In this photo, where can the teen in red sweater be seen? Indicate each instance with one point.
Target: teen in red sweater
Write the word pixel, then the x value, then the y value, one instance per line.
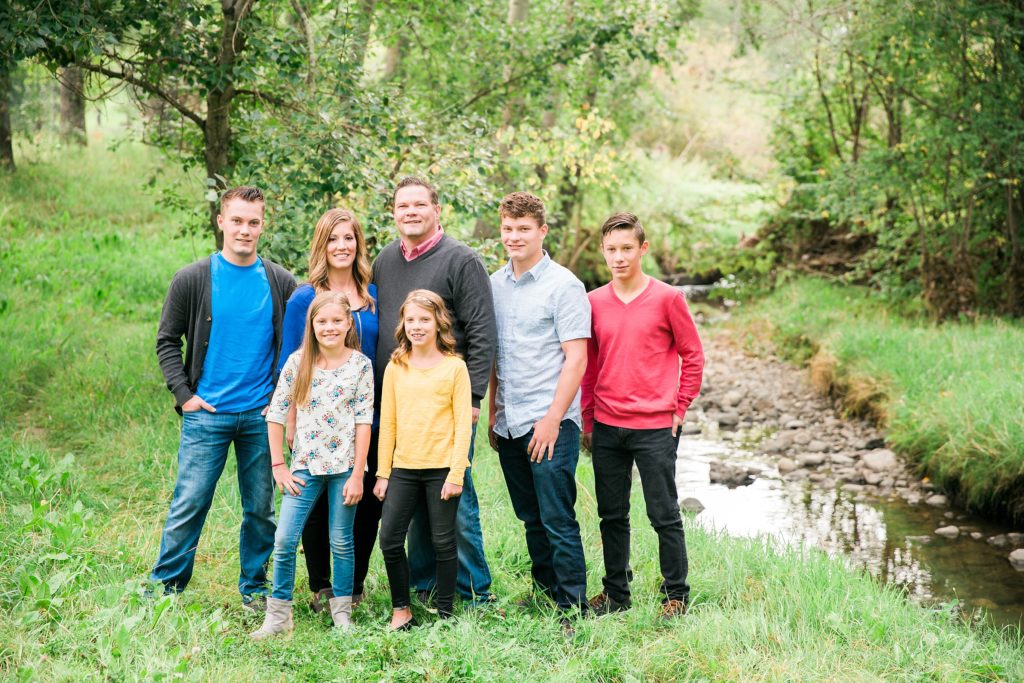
pixel 644 367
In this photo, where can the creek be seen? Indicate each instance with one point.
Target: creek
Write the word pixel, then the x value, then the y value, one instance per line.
pixel 887 537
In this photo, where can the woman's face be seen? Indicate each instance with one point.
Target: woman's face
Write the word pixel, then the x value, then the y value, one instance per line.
pixel 342 247
pixel 420 326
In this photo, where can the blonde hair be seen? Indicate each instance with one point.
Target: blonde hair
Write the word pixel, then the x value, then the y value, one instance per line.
pixel 310 349
pixel 430 301
pixel 318 268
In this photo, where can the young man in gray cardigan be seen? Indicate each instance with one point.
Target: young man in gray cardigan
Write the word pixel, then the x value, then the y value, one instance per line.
pixel 228 308
pixel 424 257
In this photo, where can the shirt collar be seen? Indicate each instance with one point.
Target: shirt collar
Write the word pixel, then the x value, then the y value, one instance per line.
pixel 535 272
pixel 422 248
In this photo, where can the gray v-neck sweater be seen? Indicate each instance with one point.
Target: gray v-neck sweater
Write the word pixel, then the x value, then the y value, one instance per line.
pixel 454 272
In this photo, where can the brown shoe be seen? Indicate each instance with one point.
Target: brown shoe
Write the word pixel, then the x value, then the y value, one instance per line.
pixel 320 600
pixel 671 609
pixel 356 599
pixel 602 604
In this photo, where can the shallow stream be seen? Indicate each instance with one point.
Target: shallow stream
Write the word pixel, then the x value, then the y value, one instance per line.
pixel 891 539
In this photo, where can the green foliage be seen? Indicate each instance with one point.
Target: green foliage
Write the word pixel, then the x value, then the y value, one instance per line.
pixel 902 141
pixel 950 391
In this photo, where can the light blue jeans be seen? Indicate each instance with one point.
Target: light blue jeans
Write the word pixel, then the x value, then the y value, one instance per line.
pixel 205 438
pixel 295 511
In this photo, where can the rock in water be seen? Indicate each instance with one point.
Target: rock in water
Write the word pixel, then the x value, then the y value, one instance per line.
pixel 730 475
pixel 948 531
pixel 938 500
pixel 810 459
pixel 1017 559
pixel 880 460
pixel 785 465
pixel 691 505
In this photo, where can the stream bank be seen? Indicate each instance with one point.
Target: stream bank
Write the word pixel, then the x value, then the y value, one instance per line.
pixel 764 454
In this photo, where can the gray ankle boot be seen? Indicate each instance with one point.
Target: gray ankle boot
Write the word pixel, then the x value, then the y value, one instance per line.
pixel 278 620
pixel 341 612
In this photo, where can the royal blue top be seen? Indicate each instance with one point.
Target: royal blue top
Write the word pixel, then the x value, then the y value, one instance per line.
pixel 295 324
pixel 238 372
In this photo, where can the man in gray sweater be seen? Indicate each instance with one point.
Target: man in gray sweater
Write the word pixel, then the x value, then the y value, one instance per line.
pixel 228 308
pixel 424 257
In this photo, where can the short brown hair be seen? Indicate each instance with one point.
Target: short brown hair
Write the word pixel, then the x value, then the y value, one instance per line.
pixel 247 193
pixel 522 204
pixel 411 180
pixel 624 221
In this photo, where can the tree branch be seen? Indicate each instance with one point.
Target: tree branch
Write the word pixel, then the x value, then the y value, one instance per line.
pixel 127 76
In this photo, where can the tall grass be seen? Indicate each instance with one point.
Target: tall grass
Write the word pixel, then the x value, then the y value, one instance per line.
pixel 953 394
pixel 89 437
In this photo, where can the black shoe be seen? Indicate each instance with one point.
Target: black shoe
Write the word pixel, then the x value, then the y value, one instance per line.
pixel 321 600
pixel 255 604
pixel 426 598
pixel 407 626
pixel 602 604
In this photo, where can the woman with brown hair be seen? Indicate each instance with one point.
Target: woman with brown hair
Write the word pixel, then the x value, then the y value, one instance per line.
pixel 338 262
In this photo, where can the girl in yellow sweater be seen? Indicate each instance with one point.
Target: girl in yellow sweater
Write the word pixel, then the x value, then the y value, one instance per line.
pixel 425 427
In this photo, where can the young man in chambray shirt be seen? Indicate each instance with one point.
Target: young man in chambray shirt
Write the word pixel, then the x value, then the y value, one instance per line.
pixel 543 318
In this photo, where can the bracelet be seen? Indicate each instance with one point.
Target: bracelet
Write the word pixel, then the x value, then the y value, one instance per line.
pixel 280 464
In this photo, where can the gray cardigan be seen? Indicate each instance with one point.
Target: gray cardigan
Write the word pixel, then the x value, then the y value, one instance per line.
pixel 188 313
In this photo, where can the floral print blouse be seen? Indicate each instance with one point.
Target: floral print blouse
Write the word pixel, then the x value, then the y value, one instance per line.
pixel 325 430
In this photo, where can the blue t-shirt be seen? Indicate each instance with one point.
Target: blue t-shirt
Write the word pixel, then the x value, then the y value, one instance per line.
pixel 238 371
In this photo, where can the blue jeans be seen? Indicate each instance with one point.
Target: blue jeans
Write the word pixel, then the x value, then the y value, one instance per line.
pixel 544 497
pixel 205 438
pixel 474 578
pixel 294 513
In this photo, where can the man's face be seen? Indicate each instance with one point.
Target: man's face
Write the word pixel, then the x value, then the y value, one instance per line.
pixel 523 238
pixel 241 223
pixel 623 253
pixel 416 216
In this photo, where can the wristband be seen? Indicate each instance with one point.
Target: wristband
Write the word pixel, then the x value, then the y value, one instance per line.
pixel 280 464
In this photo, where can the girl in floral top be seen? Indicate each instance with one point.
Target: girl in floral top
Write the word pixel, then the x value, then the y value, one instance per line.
pixel 331 386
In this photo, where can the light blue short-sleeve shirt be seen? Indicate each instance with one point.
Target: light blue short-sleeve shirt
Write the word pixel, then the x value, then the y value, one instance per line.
pixel 546 306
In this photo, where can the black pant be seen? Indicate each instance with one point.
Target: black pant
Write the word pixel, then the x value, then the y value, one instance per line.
pixel 316 542
pixel 406 489
pixel 615 449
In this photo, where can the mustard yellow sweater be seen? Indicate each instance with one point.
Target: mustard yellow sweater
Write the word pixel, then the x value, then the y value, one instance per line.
pixel 426 418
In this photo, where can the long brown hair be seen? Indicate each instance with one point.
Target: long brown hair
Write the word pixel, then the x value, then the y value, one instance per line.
pixel 445 340
pixel 310 350
pixel 318 268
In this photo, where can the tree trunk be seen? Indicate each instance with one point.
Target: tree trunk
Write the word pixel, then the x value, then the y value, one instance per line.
pixel 393 59
pixel 72 105
pixel 361 31
pixel 517 12
pixel 6 147
pixel 217 131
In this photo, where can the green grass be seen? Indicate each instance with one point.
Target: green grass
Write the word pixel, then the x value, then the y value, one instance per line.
pixel 952 394
pixel 89 437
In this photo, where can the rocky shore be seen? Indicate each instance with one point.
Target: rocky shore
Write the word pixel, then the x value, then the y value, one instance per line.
pixel 768 407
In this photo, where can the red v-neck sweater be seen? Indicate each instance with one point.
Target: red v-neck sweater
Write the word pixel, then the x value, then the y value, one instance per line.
pixel 644 361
